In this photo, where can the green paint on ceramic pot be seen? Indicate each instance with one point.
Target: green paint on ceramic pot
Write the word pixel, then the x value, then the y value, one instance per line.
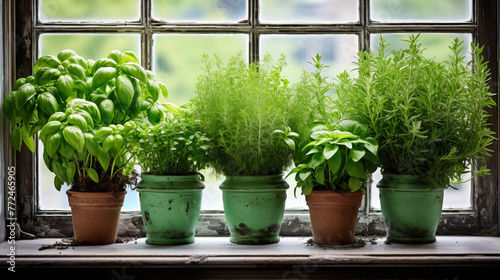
pixel 170 207
pixel 254 207
pixel 411 208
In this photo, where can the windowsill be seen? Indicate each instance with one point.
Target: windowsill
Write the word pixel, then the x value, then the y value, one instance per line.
pixel 291 254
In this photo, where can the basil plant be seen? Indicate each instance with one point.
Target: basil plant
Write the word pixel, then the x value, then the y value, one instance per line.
pixel 339 157
pixel 84 111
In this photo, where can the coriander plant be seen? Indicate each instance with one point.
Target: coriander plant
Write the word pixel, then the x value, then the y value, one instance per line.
pixel 428 117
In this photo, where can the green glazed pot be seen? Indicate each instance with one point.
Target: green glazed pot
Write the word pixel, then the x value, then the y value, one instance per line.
pixel 170 207
pixel 411 208
pixel 254 207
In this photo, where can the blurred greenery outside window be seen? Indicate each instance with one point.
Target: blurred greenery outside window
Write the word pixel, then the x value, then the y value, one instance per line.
pixel 170 36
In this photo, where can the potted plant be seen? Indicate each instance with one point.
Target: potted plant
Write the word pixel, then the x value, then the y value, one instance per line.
pixel 430 121
pixel 239 106
pixel 83 110
pixel 171 154
pixel 334 165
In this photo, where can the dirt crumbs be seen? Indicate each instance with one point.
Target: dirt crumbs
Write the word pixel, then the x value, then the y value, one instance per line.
pixel 66 243
pixel 358 243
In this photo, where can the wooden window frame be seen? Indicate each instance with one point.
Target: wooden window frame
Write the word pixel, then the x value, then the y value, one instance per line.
pixel 21 33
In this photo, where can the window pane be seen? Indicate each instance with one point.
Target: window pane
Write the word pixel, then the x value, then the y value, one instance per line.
pixel 300 11
pixel 337 51
pixel 176 62
pixel 89 46
pixel 421 11
pixel 436 45
pixel 89 10
pixel 85 46
pixel 200 11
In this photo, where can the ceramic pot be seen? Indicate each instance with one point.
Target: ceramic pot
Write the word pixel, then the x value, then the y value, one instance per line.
pixel 334 216
pixel 170 207
pixel 254 207
pixel 411 208
pixel 95 216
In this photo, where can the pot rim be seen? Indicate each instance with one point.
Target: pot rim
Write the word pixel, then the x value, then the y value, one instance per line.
pixel 250 183
pixel 169 182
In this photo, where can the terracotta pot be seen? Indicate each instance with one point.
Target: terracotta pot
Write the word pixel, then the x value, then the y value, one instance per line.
pixel 95 216
pixel 334 216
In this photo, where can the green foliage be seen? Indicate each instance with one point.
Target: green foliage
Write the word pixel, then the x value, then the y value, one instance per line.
pixel 240 106
pixel 175 146
pixel 84 110
pixel 428 117
pixel 338 157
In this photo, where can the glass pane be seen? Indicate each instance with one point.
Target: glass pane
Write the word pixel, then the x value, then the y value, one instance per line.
pixel 421 11
pixel 89 10
pixel 337 51
pixel 436 45
pixel 85 46
pixel 179 70
pixel 200 11
pixel 300 11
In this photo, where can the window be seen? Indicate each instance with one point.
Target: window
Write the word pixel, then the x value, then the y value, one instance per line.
pixel 170 37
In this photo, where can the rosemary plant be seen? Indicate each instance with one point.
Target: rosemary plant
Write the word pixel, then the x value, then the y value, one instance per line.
pixel 428 117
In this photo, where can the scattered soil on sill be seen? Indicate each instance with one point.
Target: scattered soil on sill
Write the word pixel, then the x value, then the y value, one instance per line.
pixel 358 243
pixel 66 243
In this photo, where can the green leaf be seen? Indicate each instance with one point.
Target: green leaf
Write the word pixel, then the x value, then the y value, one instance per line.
pixel 102 133
pixel 93 174
pixel 49 129
pixel 355 169
pixel 107 109
pixel 372 145
pixel 52 143
pixel 90 143
pixel 129 56
pixel 103 158
pixel 78 120
pixel 74 136
pixel 316 160
pixel 28 139
pixel 49 76
pixel 304 174
pixel 9 107
pixel 16 138
pixel 164 90
pixel 46 61
pixel 103 62
pixel 307 189
pixel 23 94
pixel 135 70
pixel 102 76
pixel 155 114
pixel 319 174
pixel 108 143
pixel 330 150
pixel 65 54
pixel 47 103
pixel 71 171
pixel 65 85
pixel 58 183
pixel 66 150
pixel 115 55
pixel 153 89
pixel 354 184
pixel 171 107
pixel 77 70
pixel 290 143
pixel 124 91
pixel 357 153
pixel 334 163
